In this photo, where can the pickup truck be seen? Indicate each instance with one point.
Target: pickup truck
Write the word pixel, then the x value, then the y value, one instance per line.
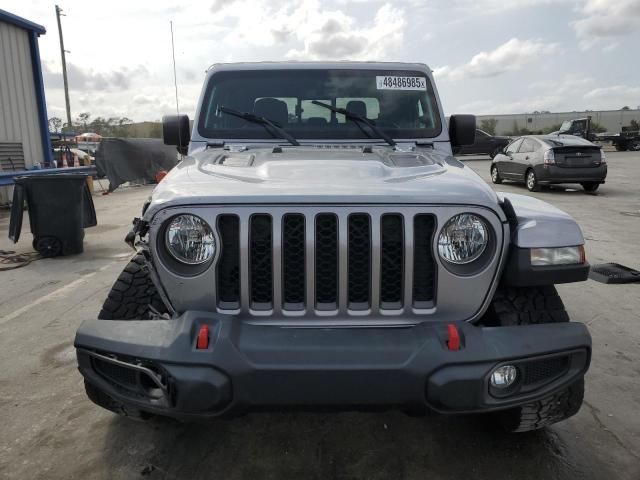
pixel 627 139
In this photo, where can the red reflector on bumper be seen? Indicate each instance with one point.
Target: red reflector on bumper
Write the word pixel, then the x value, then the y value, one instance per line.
pixel 454 338
pixel 203 338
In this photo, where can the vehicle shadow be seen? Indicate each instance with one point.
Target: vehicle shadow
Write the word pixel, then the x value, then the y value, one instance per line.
pixel 387 445
pixel 560 189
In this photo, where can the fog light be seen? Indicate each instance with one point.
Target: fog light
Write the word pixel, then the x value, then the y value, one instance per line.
pixel 504 376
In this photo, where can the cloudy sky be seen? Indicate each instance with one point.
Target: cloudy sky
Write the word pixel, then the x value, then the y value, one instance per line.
pixel 489 56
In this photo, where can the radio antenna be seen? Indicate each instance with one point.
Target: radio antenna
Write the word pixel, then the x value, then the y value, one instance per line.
pixel 175 84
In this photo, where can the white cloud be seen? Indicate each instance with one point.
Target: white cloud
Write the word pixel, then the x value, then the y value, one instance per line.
pixel 615 96
pixel 572 92
pixel 498 6
pixel 606 18
pixel 508 57
pixel 313 30
pixel 338 36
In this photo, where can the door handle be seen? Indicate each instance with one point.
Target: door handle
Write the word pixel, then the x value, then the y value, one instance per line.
pixel 526 158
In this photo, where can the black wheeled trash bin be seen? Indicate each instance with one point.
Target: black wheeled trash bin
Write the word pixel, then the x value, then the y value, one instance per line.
pixel 60 208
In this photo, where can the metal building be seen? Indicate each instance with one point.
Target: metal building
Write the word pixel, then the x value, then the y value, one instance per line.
pixel 612 120
pixel 24 131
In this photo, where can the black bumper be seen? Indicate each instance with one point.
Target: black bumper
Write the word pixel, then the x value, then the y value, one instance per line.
pixel 549 174
pixel 154 365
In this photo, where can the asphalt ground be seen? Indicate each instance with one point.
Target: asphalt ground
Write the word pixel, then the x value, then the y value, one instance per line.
pixel 50 430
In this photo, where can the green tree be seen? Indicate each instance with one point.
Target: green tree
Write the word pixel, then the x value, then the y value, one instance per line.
pixel 625 108
pixel 634 126
pixel 517 131
pixel 489 125
pixel 597 128
pixel 83 119
pixel 55 124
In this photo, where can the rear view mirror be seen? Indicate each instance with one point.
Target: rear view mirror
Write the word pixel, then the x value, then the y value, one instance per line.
pixel 462 130
pixel 175 131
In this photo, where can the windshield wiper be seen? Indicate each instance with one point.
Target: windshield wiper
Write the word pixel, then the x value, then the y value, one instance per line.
pixel 358 119
pixel 269 125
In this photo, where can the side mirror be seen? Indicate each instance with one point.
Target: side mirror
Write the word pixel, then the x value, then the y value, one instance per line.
pixel 462 130
pixel 175 131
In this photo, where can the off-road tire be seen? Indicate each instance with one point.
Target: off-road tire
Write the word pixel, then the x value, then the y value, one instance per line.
pixel 103 400
pixel 590 186
pixel 526 306
pixel 133 296
pixel 621 148
pixel 553 409
pixel 513 306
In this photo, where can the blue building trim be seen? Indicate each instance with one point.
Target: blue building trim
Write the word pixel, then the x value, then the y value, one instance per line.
pixel 21 22
pixel 40 98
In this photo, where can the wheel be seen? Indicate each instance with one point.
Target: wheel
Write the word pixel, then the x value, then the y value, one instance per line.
pixel 133 296
pixel 47 246
pixel 553 409
pixel 634 145
pixel 590 186
pixel 526 306
pixel 621 147
pixel 495 176
pixel 531 181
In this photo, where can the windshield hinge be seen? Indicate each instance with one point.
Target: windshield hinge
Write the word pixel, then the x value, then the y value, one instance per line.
pixel 236 147
pixel 405 147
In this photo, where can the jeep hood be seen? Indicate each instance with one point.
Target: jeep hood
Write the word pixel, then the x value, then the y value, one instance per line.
pixel 321 175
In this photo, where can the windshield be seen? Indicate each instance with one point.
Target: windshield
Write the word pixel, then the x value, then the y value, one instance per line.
pixel 566 126
pixel 401 103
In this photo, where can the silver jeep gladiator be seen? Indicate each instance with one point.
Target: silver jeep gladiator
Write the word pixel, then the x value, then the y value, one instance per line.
pixel 319 246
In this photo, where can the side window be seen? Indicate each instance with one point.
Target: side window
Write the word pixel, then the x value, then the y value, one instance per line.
pixel 527 146
pixel 536 145
pixel 513 146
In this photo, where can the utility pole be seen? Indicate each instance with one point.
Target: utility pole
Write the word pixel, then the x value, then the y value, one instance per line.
pixel 64 67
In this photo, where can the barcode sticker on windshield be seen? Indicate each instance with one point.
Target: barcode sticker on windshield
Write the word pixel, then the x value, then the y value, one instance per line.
pixel 401 83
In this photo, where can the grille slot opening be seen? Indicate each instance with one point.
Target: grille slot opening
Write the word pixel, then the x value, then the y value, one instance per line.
pixel 424 270
pixel 359 261
pixel 293 261
pixel 391 261
pixel 326 261
pixel 261 262
pixel 125 377
pixel 228 274
pixel 133 381
pixel 545 370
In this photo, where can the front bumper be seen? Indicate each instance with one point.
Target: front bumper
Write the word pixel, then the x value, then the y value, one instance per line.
pixel 548 174
pixel 155 366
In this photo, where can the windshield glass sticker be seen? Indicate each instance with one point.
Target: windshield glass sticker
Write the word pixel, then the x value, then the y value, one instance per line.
pixel 387 82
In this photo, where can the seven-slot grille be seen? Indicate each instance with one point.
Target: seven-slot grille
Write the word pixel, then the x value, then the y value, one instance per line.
pixel 320 264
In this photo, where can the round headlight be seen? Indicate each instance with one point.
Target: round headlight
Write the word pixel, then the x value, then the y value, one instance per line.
pixel 190 239
pixel 463 239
